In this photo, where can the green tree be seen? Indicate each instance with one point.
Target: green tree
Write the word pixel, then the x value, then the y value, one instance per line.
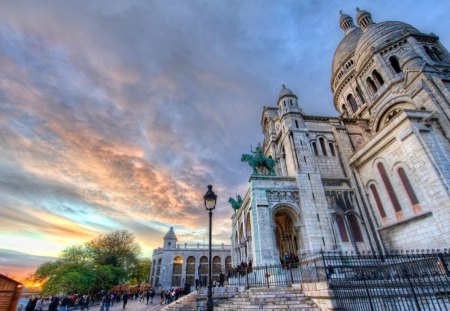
pixel 141 271
pixel 118 249
pixel 99 264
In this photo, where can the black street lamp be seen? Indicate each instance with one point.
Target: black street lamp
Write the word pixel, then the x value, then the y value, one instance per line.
pixel 210 199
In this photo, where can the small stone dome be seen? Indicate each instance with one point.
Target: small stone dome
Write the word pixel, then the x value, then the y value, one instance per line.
pixel 285 92
pixel 377 35
pixel 345 49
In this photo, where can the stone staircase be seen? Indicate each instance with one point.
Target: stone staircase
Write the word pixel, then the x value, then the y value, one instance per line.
pixel 275 298
pixel 185 303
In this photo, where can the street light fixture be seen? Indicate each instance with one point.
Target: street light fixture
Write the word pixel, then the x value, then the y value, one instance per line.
pixel 210 199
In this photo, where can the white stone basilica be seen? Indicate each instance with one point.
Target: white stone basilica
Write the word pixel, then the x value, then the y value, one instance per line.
pixel 374 178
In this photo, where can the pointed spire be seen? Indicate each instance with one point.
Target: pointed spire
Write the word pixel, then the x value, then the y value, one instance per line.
pixel 346 22
pixel 363 18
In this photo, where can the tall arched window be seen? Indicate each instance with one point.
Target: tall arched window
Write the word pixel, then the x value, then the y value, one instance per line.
pixel 217 267
pixel 352 102
pixel 430 53
pixel 378 201
pixel 314 145
pixel 333 153
pixel 203 265
pixel 356 232
pixel 393 60
pixel 360 94
pixel 372 86
pixel 390 190
pixel 437 53
pixel 177 267
pixel 228 265
pixel 376 75
pixel 190 270
pixel 341 227
pixel 345 111
pixel 322 145
pixel 407 185
pixel 158 272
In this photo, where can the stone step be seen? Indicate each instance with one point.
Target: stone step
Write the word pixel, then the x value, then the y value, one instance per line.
pixel 276 299
pixel 275 308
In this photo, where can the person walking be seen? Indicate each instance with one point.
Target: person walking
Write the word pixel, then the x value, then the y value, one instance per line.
pixel 152 294
pixel 163 296
pixel 125 299
pixel 39 304
pixel 221 279
pixel 147 295
pixel 107 301
pixel 64 303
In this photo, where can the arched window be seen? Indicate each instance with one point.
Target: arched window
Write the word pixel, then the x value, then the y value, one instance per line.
pixel 296 123
pixel 341 227
pixel 437 53
pixel 360 94
pixel 228 265
pixel 430 53
pixel 248 227
pixel 345 111
pixel 158 272
pixel 407 185
pixel 378 201
pixel 176 276
pixel 216 267
pixel 372 86
pixel 376 75
pixel 353 222
pixel 322 145
pixel 393 60
pixel 314 145
pixel 190 265
pixel 190 270
pixel 203 265
pixel 352 102
pixel 390 190
pixel 333 153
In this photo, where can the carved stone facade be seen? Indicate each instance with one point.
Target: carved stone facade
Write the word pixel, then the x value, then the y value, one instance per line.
pixel 375 177
pixel 175 264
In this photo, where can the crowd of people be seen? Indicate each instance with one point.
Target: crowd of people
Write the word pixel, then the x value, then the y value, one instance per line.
pixel 85 301
pixel 169 296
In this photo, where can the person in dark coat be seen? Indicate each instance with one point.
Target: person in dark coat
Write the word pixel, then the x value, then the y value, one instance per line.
pixel 54 304
pixel 221 279
pixel 125 299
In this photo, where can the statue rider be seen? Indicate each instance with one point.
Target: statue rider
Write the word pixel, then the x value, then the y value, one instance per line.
pixel 258 152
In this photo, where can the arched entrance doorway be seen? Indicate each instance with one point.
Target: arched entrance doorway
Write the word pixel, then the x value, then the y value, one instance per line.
pixel 285 234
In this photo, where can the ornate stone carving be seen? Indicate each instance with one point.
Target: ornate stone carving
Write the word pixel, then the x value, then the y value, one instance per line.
pixel 289 196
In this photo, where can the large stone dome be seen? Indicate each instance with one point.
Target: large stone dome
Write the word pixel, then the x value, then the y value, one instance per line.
pixel 377 35
pixel 345 49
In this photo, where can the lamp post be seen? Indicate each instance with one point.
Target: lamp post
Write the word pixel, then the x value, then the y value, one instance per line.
pixel 210 199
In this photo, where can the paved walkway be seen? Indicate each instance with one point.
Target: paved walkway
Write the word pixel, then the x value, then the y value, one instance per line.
pixel 134 305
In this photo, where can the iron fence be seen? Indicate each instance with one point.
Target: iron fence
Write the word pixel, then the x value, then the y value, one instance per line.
pixel 268 275
pixel 389 281
pixel 404 280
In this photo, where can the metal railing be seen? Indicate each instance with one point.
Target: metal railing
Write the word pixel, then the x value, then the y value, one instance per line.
pixel 404 280
pixel 265 276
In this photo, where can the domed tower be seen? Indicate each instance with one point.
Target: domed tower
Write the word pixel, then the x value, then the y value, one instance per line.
pixel 289 111
pixel 375 62
pixel 170 239
pixel 287 101
pixel 343 68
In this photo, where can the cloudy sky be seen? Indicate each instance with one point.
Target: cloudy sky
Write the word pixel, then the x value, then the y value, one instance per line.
pixel 117 114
